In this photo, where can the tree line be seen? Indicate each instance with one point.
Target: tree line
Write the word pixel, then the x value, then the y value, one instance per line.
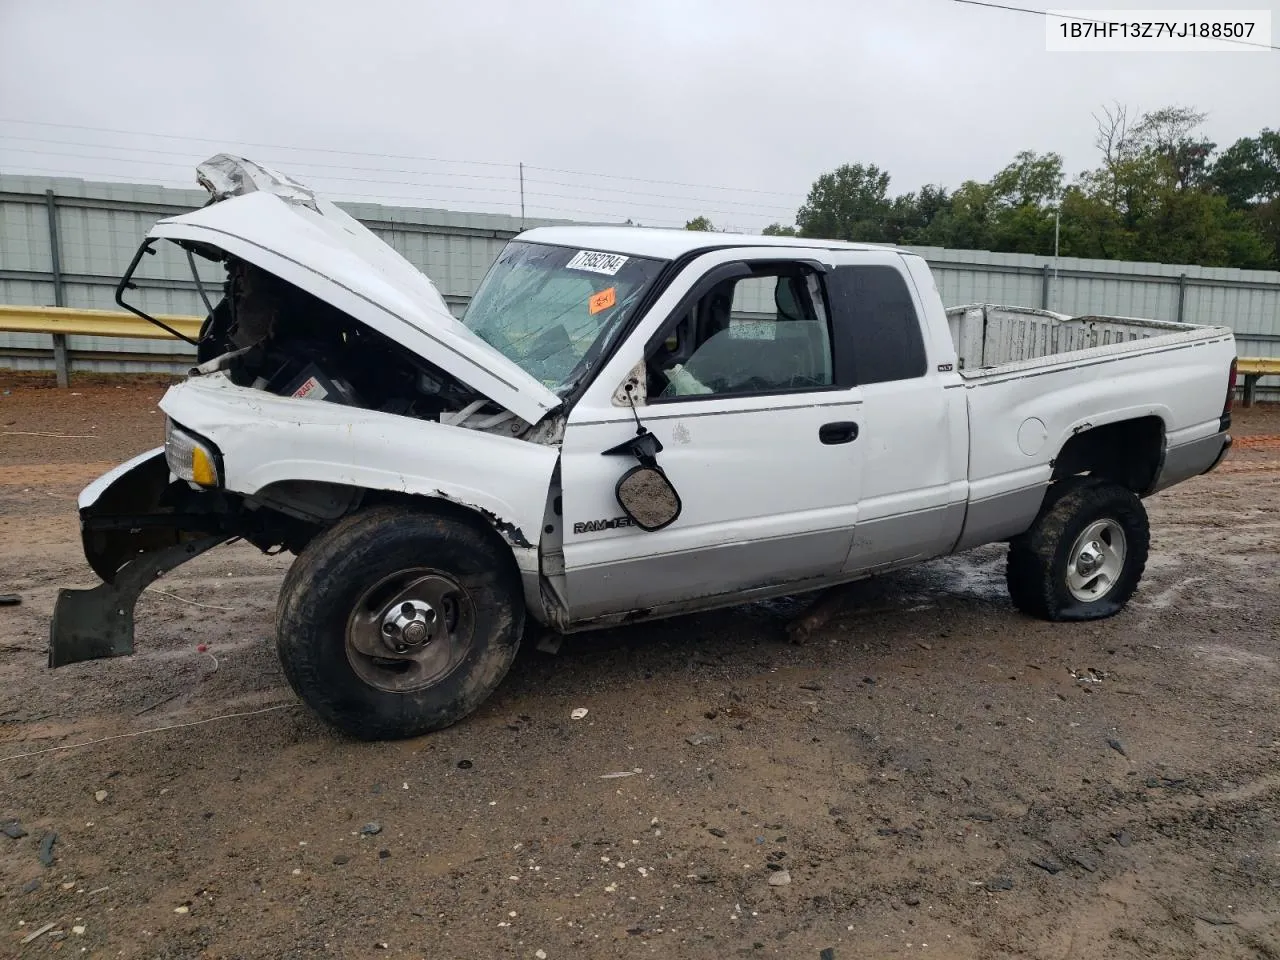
pixel 1160 192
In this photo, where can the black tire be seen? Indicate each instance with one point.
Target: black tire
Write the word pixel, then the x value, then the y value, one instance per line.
pixel 1040 560
pixel 325 588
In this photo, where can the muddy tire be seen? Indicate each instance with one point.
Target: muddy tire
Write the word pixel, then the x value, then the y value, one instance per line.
pixel 1083 557
pixel 397 622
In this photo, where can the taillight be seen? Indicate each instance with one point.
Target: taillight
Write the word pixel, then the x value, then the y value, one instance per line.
pixel 1231 389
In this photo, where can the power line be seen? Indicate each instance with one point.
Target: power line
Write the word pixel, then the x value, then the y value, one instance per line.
pixel 686 205
pixel 669 183
pixel 1067 16
pixel 324 176
pixel 640 193
pixel 382 198
pixel 97 175
pixel 693 205
pixel 273 146
pixel 297 162
pixel 391 156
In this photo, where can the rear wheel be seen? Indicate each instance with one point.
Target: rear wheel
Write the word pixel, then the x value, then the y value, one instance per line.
pixel 397 622
pixel 1083 557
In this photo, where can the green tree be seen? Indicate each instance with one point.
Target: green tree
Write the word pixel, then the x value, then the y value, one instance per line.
pixel 1247 175
pixel 965 222
pixel 700 223
pixel 778 230
pixel 849 203
pixel 1248 172
pixel 1157 193
pixel 1023 197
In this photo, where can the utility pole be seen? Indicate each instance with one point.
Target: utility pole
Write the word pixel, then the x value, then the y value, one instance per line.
pixel 521 194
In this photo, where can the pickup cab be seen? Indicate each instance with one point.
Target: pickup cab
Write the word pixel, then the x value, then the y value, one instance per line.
pixel 627 423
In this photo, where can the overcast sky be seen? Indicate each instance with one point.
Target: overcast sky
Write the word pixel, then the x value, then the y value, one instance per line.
pixel 746 101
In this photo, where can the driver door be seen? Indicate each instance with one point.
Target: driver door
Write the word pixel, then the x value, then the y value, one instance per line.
pixel 758 436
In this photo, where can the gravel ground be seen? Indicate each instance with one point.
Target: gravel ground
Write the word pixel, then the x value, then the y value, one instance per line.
pixel 931 774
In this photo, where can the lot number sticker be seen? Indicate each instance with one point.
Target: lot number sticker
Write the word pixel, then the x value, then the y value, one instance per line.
pixel 593 262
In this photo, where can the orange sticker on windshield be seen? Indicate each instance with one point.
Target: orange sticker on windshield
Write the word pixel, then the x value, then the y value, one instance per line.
pixel 602 300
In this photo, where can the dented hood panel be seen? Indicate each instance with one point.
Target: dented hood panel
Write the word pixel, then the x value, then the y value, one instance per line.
pixel 283 228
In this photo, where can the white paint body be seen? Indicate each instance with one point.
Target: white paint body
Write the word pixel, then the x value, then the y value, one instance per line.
pixel 942 462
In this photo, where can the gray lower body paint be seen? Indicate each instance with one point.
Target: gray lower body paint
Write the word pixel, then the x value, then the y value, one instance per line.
pixel 904 537
pixel 699 575
pixel 1001 517
pixel 1189 460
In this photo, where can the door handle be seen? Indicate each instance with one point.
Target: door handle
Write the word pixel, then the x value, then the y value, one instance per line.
pixel 843 431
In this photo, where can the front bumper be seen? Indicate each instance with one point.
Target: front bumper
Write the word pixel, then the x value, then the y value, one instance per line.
pixel 135 525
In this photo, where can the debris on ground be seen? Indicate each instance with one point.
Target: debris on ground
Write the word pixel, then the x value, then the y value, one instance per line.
pixel 1000 883
pixel 1117 746
pixel 701 739
pixel 779 878
pixel 578 713
pixel 821 611
pixel 1047 865
pixel 618 774
pixel 9 599
pixel 1086 860
pixel 1123 838
pixel 13 829
pixel 37 933
pixel 550 643
pixel 371 829
pixel 100 795
pixel 1215 920
pixel 46 848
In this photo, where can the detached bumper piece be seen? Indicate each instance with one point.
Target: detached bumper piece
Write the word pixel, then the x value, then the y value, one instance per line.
pixel 97 623
pixel 135 526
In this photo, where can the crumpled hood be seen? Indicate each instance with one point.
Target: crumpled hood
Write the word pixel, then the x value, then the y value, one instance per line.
pixel 281 226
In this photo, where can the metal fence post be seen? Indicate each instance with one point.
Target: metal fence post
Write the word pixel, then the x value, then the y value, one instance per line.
pixel 1044 288
pixel 61 361
pixel 1182 297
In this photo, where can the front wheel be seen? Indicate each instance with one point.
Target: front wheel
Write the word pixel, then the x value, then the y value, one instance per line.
pixel 397 622
pixel 1083 557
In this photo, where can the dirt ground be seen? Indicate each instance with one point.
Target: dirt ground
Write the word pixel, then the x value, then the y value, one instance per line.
pixel 935 774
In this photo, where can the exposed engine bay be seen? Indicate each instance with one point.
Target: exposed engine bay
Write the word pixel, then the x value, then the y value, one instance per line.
pixel 268 334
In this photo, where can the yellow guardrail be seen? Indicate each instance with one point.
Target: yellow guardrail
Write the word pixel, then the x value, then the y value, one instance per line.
pixel 1254 369
pixel 1258 366
pixel 68 321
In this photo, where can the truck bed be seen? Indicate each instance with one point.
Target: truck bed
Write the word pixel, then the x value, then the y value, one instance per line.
pixel 991 338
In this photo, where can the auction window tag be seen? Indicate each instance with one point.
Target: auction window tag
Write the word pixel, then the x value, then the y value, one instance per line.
pixel 595 262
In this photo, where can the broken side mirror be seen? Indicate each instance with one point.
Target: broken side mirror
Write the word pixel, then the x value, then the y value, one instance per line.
pixel 644 492
pixel 648 498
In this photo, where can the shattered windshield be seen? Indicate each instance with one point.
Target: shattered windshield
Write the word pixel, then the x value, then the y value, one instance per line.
pixel 554 310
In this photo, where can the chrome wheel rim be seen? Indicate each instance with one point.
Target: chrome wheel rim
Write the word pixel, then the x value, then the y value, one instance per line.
pixel 410 630
pixel 1096 561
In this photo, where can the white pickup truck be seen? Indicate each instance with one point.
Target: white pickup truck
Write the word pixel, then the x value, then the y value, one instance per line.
pixel 627 423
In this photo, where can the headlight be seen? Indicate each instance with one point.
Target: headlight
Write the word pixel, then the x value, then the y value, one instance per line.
pixel 190 458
